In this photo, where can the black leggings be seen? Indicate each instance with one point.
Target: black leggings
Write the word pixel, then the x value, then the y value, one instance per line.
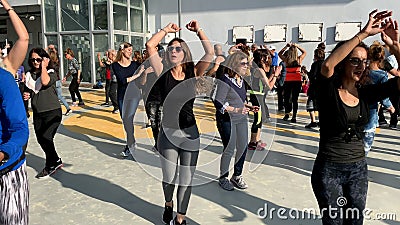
pixel 153 111
pixel 259 117
pixel 291 96
pixel 74 89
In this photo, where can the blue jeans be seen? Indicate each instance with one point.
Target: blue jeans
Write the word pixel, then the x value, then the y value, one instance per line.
pixel 128 106
pixel 59 94
pixel 233 135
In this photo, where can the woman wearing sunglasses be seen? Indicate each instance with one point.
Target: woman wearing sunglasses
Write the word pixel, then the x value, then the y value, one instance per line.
pixel 41 79
pixel 340 169
pixel 179 136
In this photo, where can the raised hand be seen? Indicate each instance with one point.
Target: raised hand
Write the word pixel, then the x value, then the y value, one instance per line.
pixel 390 35
pixel 376 22
pixel 45 62
pixel 193 25
pixel 171 28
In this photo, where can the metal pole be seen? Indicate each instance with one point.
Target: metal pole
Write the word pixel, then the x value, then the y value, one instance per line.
pixel 179 15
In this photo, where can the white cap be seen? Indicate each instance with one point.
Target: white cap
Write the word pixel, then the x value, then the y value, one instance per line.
pixel 272 47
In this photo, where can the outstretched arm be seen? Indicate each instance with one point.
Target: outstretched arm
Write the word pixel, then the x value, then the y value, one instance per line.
pixel 374 26
pixel 18 52
pixel 391 36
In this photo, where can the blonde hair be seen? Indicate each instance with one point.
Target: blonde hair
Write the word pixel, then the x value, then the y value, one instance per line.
pixel 70 52
pixel 232 63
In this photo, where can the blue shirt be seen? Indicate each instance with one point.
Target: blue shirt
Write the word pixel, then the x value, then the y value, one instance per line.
pixel 14 130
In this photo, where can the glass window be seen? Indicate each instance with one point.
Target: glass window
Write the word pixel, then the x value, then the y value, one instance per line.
pixel 136 3
pixel 80 45
pixel 52 40
pixel 119 39
pixel 121 1
pixel 120 17
pixel 74 15
pixel 136 20
pixel 99 15
pixel 50 15
pixel 137 43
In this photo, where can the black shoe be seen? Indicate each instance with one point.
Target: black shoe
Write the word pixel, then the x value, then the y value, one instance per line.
pixel 311 125
pixel 81 103
pixel 106 104
pixel 393 126
pixel 168 214
pixel 67 112
pixel 174 222
pixel 47 171
pixel 286 117
pixel 281 109
pixel 293 120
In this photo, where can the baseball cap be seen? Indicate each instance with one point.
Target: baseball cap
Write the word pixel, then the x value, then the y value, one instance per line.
pixel 272 47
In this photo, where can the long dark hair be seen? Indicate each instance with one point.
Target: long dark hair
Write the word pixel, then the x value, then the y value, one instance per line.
pixel 262 56
pixel 42 53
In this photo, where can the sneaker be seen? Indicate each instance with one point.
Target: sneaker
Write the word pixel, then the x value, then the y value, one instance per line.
pixel 168 214
pixel 68 112
pixel 47 171
pixel 293 120
pixel 115 111
pixel 252 146
pixel 382 122
pixel 74 104
pixel 126 152
pixel 174 222
pixel 225 184
pixel 311 125
pixel 81 103
pixel 286 117
pixel 238 181
pixel 260 145
pixel 393 126
pixel 106 104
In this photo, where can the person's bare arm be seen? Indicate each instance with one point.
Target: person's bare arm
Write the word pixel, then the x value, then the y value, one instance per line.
pixel 390 35
pixel 372 27
pixel 100 61
pixel 303 53
pixel 17 54
pixel 280 53
pixel 45 78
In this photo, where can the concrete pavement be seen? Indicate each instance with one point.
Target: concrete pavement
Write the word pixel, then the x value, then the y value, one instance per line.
pixel 97 186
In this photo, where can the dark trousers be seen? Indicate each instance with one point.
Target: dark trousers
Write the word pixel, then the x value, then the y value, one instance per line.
pixel 22 89
pixel 74 89
pixel 279 92
pixel 107 90
pixel 46 125
pixel 225 131
pixel 291 96
pixel 259 117
pixel 112 92
pixel 395 102
pixel 153 111
pixel 342 186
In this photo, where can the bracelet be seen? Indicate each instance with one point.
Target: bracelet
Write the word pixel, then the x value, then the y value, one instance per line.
pixel 198 30
pixel 359 39
pixel 8 10
pixel 164 31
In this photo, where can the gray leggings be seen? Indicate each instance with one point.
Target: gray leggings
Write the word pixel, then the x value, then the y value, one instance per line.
pixel 174 144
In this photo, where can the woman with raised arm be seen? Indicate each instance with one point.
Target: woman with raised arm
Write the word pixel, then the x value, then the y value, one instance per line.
pixel 14 131
pixel 339 177
pixel 178 78
pixel 293 80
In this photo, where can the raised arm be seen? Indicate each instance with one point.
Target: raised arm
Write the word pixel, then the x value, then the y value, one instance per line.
pixel 280 53
pixel 205 61
pixel 18 52
pixel 154 59
pixel 390 35
pixel 303 52
pixel 373 26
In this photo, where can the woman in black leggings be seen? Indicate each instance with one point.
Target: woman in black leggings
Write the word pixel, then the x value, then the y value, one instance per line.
pixel 339 177
pixel 179 136
pixel 293 80
pixel 75 72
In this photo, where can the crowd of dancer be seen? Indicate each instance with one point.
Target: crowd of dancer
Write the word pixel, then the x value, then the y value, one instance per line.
pixel 345 89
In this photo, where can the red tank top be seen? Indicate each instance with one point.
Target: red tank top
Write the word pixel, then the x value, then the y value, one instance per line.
pixel 293 74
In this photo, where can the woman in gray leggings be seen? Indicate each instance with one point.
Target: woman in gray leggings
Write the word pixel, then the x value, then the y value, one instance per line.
pixel 179 136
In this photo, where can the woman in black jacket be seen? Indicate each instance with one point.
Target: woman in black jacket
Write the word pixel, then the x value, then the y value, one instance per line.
pixel 339 176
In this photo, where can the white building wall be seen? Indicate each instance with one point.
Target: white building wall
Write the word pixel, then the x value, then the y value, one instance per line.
pixel 218 17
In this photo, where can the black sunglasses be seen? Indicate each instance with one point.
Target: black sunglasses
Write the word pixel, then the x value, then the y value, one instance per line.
pixel 357 62
pixel 177 48
pixel 39 60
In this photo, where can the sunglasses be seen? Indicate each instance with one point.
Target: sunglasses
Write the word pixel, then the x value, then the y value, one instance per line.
pixel 357 62
pixel 177 48
pixel 244 63
pixel 39 60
